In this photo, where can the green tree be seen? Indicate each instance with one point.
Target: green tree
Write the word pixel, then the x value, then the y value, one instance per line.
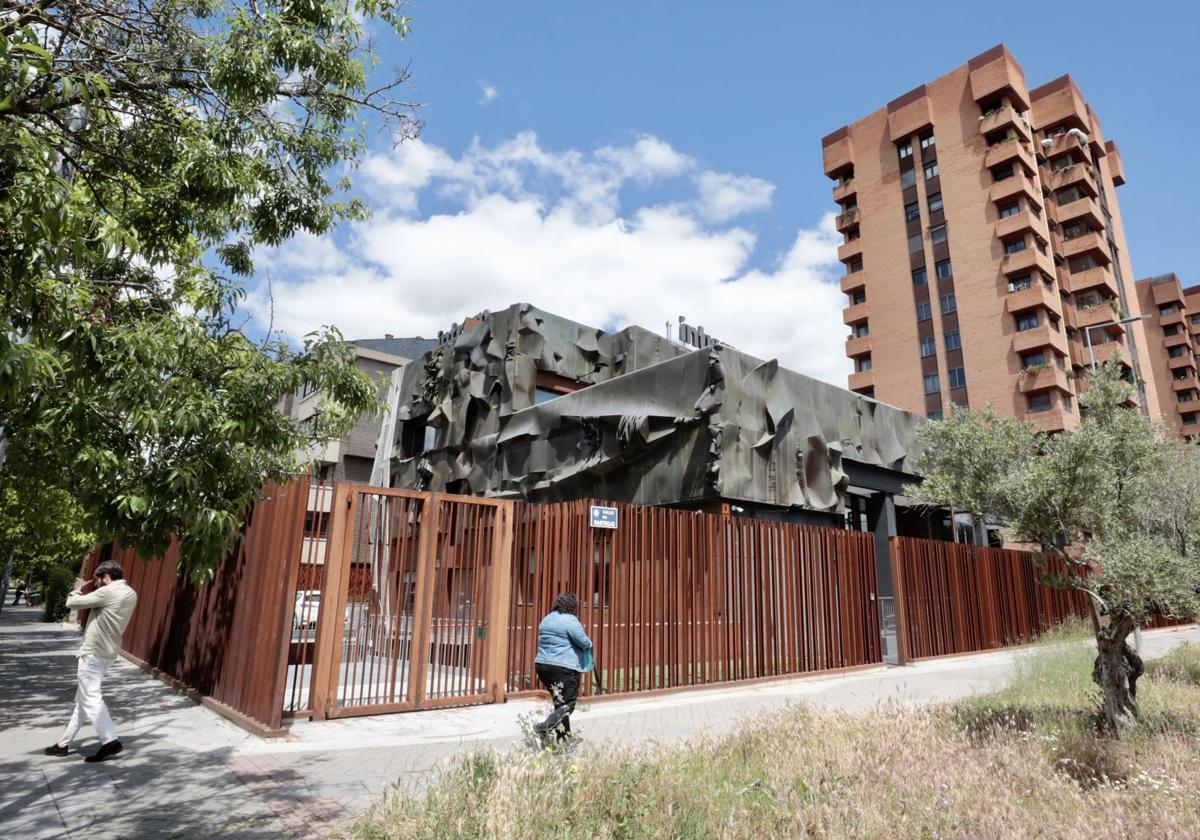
pixel 146 149
pixel 42 526
pixel 1113 502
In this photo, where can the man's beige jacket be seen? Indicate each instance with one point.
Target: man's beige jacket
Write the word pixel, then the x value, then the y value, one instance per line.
pixel 111 608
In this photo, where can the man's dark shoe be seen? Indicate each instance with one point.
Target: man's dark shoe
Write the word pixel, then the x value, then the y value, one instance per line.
pixel 105 752
pixel 56 750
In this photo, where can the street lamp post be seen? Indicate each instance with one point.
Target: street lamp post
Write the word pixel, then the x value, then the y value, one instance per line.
pixel 1087 334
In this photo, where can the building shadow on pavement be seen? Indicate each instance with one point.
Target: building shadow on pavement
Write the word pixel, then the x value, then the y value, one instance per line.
pixel 178 780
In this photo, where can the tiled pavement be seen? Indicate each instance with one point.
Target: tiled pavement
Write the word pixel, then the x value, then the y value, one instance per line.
pixel 188 773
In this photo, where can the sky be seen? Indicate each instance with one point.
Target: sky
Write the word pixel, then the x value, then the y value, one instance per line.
pixel 628 163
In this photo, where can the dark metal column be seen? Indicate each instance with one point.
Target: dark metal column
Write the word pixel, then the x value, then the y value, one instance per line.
pixel 881 519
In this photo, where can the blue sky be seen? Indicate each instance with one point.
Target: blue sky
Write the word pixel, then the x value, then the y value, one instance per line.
pixel 739 96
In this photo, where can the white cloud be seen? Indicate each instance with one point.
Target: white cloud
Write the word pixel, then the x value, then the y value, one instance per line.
pixel 551 228
pixel 488 92
pixel 724 195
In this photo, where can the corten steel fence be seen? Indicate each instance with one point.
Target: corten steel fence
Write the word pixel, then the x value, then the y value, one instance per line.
pixel 953 598
pixel 677 598
pixel 226 640
pixel 422 628
pixel 306 598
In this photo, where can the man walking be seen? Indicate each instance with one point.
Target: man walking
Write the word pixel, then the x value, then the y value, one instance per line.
pixel 111 603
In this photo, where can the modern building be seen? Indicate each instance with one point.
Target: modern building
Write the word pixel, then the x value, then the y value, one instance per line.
pixel 984 249
pixel 350 458
pixel 1173 327
pixel 524 404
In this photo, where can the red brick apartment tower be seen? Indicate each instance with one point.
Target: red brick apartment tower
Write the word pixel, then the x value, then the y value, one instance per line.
pixel 1173 329
pixel 984 246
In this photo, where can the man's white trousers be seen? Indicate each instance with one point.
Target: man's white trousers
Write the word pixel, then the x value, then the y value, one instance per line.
pixel 89 703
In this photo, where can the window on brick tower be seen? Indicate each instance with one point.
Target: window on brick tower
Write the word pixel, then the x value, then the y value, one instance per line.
pixel 908 178
pixel 918 277
pixel 931 171
pixel 1078 228
pixel 928 346
pixel 944 269
pixel 1010 210
pixel 957 377
pixel 1039 402
pixel 932 383
pixel 953 340
pixel 937 235
pixel 935 202
pixel 927 140
pixel 949 304
pixel 924 311
pixel 912 212
pixel 1014 247
pixel 1027 321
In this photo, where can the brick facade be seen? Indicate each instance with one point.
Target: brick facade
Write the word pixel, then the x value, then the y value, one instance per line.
pixel 983 243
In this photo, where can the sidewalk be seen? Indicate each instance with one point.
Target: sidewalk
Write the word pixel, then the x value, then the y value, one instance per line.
pixel 188 773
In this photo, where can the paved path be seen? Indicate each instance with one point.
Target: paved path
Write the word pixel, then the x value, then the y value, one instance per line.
pixel 188 773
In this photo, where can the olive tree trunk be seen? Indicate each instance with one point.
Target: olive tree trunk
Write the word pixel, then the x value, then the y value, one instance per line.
pixel 1116 671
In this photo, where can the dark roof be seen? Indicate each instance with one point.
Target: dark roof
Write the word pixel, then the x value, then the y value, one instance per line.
pixel 407 348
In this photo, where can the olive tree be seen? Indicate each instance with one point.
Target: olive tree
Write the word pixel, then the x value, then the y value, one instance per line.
pixel 1113 502
pixel 147 148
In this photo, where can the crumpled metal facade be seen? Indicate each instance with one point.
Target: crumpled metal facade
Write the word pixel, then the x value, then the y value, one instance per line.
pixel 657 423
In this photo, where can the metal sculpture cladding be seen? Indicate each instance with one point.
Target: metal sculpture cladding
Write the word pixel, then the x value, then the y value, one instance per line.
pixel 653 423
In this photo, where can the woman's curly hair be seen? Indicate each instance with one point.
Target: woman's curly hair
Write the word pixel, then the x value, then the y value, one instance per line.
pixel 566 602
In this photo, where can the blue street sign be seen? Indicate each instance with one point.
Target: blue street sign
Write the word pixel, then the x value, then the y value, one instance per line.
pixel 604 517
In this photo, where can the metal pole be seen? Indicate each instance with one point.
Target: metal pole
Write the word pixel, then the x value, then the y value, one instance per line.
pixel 1087 335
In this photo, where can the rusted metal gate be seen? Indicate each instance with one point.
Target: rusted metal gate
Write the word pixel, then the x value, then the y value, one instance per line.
pixel 307 589
pixel 677 598
pixel 415 586
pixel 955 598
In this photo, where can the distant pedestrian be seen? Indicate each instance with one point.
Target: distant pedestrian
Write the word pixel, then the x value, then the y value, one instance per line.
pixel 562 645
pixel 21 587
pixel 111 603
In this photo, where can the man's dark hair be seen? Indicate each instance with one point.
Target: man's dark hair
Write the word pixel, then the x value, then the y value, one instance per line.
pixel 111 568
pixel 566 602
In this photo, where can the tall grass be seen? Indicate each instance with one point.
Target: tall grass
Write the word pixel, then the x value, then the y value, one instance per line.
pixel 1024 762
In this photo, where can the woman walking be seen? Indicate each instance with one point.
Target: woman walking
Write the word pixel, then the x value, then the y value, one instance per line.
pixel 562 646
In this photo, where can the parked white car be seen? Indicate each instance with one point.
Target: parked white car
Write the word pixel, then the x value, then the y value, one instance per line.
pixel 308 604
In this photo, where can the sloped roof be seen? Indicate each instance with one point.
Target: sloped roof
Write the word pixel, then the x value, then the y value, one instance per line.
pixel 407 348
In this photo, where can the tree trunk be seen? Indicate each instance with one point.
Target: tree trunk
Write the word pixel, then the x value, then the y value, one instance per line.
pixel 1116 671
